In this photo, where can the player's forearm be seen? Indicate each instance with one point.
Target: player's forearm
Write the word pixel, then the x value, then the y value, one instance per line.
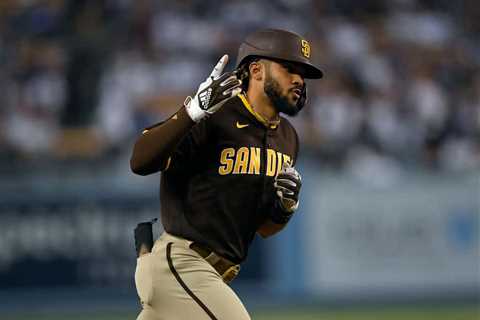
pixel 153 148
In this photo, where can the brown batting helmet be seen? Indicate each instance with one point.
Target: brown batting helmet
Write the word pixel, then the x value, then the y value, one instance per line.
pixel 279 44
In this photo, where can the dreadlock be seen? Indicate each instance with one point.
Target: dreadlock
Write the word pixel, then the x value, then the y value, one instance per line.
pixel 243 72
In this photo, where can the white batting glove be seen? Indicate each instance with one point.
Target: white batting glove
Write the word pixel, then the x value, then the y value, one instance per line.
pixel 213 92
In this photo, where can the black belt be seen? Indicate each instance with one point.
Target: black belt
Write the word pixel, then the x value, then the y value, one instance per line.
pixel 226 268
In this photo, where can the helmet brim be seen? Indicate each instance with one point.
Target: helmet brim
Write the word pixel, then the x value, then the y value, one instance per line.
pixel 312 72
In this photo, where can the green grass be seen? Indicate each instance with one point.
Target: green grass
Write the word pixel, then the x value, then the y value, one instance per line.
pixel 386 313
pixel 463 313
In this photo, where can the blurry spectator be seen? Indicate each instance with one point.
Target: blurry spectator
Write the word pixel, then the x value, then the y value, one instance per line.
pixel 462 149
pixel 424 28
pixel 384 129
pixel 348 41
pixel 127 87
pixel 338 117
pixel 86 34
pixel 427 109
pixel 35 98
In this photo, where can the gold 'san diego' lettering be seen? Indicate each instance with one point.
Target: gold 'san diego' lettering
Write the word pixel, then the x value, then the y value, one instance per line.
pixel 247 160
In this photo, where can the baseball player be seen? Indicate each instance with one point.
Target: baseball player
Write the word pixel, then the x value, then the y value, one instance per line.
pixel 227 160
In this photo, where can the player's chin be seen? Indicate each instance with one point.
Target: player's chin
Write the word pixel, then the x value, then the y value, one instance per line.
pixel 290 108
pixel 294 99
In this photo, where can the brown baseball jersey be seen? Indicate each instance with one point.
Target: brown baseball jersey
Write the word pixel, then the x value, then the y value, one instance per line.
pixel 218 187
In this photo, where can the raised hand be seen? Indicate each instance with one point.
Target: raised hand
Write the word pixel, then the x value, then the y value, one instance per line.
pixel 213 92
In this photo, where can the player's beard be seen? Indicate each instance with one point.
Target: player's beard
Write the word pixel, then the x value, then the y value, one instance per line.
pixel 274 92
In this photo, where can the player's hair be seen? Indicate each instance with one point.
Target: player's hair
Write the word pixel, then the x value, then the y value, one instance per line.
pixel 243 72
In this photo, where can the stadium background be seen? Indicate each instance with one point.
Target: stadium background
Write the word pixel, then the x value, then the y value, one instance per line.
pixel 389 220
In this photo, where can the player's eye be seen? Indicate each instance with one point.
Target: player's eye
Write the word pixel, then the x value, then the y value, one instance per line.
pixel 291 68
pixel 288 67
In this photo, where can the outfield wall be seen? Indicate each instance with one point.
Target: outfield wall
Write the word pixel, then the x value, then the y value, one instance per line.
pixel 355 236
pixel 415 234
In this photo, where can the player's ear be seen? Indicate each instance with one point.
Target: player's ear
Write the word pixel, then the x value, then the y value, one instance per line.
pixel 256 70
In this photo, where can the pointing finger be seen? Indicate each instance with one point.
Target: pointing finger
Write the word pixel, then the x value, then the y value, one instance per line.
pixel 217 71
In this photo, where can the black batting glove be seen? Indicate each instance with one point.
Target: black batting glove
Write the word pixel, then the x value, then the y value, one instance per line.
pixel 287 186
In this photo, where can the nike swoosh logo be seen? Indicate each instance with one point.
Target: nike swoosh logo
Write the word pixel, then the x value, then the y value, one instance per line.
pixel 240 126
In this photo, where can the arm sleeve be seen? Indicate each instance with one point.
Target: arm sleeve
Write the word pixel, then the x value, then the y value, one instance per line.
pixel 154 147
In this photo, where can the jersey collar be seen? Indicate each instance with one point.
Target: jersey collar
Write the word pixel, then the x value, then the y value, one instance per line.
pixel 259 117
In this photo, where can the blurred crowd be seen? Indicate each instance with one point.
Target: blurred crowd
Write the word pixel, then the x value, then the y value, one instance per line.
pixel 80 78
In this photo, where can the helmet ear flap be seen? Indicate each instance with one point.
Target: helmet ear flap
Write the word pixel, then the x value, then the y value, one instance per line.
pixel 303 98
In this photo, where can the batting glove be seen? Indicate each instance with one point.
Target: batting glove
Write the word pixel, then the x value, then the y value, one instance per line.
pixel 287 187
pixel 213 92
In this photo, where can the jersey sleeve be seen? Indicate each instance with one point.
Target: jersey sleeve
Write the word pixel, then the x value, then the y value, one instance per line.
pixel 190 150
pixel 154 147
